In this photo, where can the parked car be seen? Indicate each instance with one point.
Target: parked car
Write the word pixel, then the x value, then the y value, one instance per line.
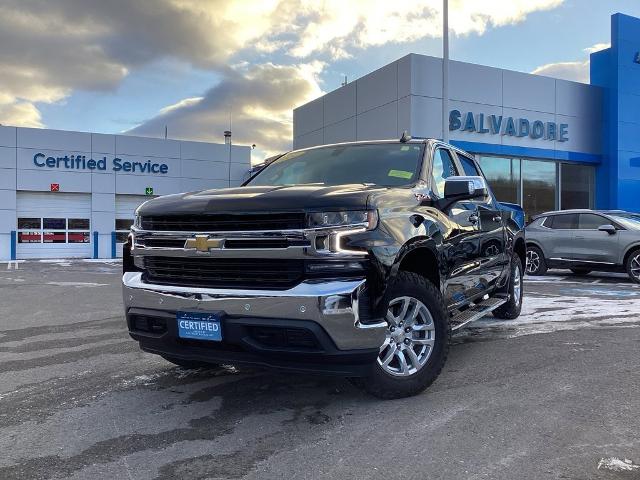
pixel 354 259
pixel 585 241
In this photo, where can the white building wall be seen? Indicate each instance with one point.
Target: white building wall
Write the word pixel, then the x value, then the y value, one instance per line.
pixel 407 95
pixel 191 166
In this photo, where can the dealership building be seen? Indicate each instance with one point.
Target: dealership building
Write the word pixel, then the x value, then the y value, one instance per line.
pixel 542 142
pixel 73 194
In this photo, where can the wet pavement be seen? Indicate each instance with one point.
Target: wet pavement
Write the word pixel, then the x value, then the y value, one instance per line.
pixel 552 394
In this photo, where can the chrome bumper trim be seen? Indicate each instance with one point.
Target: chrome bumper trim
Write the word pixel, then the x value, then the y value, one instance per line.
pixel 332 304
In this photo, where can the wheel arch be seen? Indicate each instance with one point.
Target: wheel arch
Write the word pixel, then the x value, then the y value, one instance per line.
pixel 420 257
pixel 630 249
pixel 521 250
pixel 534 243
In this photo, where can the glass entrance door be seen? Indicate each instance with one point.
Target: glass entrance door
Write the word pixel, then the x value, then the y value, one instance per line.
pixel 539 180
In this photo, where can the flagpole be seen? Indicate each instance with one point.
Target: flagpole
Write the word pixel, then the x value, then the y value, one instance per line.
pixel 445 70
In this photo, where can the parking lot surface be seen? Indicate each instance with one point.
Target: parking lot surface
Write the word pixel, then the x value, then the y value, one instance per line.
pixel 552 394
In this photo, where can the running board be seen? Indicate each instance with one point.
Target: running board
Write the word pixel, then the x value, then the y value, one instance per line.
pixel 476 311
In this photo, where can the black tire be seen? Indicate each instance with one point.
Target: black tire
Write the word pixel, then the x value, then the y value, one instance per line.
pixel 581 271
pixel 383 384
pixel 536 264
pixel 188 364
pixel 512 308
pixel 632 266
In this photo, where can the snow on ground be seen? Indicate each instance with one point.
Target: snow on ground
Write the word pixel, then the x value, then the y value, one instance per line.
pixel 616 465
pixel 573 307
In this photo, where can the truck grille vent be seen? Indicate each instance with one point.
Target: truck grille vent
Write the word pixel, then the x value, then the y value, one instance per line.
pixel 225 273
pixel 224 222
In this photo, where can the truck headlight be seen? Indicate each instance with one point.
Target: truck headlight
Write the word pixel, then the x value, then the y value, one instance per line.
pixel 368 219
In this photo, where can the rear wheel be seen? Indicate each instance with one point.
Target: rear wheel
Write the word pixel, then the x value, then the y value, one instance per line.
pixel 535 261
pixel 633 266
pixel 416 345
pixel 512 308
pixel 581 271
pixel 188 364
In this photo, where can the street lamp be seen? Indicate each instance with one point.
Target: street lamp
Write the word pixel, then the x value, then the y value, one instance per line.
pixel 445 70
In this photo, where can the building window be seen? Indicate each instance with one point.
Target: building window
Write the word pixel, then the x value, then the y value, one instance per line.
pixel 53 230
pixel 123 228
pixel 29 237
pixel 576 186
pixel 503 175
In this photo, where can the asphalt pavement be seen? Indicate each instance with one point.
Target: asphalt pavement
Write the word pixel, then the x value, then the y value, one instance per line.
pixel 553 394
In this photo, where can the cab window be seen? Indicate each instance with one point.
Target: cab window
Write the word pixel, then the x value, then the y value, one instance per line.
pixel 443 168
pixel 468 166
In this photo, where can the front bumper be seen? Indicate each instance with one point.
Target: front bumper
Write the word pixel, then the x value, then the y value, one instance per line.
pixel 327 309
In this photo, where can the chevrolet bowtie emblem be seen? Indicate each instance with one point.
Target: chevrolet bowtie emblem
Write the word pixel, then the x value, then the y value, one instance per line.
pixel 202 243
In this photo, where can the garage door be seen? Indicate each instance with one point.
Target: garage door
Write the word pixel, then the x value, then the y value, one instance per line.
pixel 54 225
pixel 125 208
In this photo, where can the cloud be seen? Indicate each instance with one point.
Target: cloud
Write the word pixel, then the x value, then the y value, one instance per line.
pixel 259 99
pixel 51 49
pixel 20 113
pixel 576 71
pixel 337 27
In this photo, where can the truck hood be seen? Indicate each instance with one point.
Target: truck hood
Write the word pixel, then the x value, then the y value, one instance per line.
pixel 265 198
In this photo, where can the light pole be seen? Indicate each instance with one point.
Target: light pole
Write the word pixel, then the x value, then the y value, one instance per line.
pixel 445 70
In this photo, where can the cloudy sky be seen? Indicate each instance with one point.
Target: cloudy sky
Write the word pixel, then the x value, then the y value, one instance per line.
pixel 137 66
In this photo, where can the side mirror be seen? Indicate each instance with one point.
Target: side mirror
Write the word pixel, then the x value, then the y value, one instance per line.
pixel 610 229
pixel 465 188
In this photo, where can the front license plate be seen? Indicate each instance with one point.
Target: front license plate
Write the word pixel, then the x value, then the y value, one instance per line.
pixel 199 326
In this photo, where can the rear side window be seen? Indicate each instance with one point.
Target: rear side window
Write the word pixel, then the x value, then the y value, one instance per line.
pixel 468 166
pixel 568 221
pixel 443 168
pixel 590 221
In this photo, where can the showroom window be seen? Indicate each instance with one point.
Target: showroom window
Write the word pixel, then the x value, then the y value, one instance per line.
pixel 503 174
pixel 576 186
pixel 53 230
pixel 539 185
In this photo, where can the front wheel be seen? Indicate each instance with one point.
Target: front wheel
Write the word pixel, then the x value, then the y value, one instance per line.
pixel 633 266
pixel 416 345
pixel 535 261
pixel 511 309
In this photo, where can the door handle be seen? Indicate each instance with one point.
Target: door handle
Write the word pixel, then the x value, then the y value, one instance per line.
pixel 497 218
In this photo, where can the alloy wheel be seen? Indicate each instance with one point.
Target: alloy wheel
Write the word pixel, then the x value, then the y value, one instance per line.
pixel 410 337
pixel 634 266
pixel 533 261
pixel 517 285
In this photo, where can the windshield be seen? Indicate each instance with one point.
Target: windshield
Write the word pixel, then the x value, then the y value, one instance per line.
pixel 384 164
pixel 628 220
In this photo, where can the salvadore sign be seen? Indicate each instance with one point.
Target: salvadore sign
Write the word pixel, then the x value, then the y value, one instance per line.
pixel 80 162
pixel 508 126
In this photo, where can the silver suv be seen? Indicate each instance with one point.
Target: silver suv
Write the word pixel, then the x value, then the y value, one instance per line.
pixel 583 241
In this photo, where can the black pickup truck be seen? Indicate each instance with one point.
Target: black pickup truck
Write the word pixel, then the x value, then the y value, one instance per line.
pixel 355 259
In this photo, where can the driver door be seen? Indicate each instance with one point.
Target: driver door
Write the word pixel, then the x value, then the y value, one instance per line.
pixel 462 236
